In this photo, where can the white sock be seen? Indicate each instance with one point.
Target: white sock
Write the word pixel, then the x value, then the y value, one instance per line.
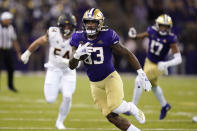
pixel 64 109
pixel 133 128
pixel 136 92
pixel 159 95
pixel 124 107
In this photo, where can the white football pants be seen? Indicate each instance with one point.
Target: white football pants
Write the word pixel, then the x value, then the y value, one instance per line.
pixel 58 80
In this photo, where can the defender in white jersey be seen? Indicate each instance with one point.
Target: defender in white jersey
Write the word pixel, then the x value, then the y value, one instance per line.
pixel 59 78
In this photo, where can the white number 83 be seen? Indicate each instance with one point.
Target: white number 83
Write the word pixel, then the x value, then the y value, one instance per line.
pixel 98 55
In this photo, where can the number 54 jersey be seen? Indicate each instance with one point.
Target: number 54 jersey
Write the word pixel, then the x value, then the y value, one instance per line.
pixel 99 64
pixel 58 47
pixel 159 46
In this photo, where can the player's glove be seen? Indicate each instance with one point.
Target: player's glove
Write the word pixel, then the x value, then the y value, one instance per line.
pixel 132 33
pixel 60 59
pixel 162 66
pixel 84 49
pixel 143 80
pixel 25 56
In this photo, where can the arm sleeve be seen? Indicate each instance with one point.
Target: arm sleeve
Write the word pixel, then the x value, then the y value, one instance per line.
pixel 175 61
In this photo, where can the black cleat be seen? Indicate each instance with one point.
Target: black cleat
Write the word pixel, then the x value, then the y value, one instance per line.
pixel 13 89
pixel 164 111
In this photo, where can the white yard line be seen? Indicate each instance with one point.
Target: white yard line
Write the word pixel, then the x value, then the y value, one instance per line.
pixel 46 128
pixel 43 112
pixel 48 105
pixel 85 120
pixel 188 114
pixel 146 108
pixel 168 129
pixel 95 129
pixel 26 119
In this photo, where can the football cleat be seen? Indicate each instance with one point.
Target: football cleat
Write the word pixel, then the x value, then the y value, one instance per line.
pixel 60 126
pixel 137 113
pixel 133 128
pixel 164 111
pixel 13 89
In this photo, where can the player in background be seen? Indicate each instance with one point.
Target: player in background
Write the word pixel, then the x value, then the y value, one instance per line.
pixel 98 45
pixel 59 78
pixel 161 41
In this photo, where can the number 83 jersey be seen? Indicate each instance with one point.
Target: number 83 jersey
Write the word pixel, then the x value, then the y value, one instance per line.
pixel 99 65
pixel 58 46
pixel 159 46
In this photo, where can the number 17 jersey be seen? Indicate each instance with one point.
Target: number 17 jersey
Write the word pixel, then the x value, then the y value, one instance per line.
pixel 159 46
pixel 99 64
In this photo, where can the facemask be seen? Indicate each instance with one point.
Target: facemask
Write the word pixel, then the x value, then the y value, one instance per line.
pixel 66 32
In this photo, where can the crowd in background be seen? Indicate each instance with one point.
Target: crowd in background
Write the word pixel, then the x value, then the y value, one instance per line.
pixel 33 17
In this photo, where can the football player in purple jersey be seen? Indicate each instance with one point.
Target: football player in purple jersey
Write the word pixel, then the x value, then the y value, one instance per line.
pixel 161 41
pixel 95 46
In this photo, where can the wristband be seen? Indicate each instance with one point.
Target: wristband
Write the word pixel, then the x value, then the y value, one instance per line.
pixel 140 71
pixel 76 56
pixel 27 53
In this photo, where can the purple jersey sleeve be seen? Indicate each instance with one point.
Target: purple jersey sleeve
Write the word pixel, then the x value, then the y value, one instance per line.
pixel 115 37
pixel 149 30
pixel 173 39
pixel 75 40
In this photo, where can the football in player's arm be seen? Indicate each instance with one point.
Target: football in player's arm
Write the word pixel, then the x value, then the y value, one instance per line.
pixel 58 75
pixel 161 40
pixel 106 85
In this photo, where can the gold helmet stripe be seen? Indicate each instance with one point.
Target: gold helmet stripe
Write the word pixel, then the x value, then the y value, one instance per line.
pixel 91 12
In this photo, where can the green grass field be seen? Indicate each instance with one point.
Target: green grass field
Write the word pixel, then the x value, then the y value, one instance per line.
pixel 27 110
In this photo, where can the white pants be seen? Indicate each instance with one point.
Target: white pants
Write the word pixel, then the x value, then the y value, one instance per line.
pixel 58 80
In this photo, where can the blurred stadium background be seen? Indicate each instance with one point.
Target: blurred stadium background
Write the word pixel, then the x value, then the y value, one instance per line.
pixel 27 109
pixel 33 17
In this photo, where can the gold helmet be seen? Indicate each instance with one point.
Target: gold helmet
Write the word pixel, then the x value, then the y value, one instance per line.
pixel 164 20
pixel 94 15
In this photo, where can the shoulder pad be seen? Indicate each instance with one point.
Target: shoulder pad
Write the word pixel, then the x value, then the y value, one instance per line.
pixel 53 29
pixel 154 28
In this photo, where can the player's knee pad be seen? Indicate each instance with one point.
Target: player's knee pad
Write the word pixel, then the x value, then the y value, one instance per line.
pixel 50 99
pixel 50 92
